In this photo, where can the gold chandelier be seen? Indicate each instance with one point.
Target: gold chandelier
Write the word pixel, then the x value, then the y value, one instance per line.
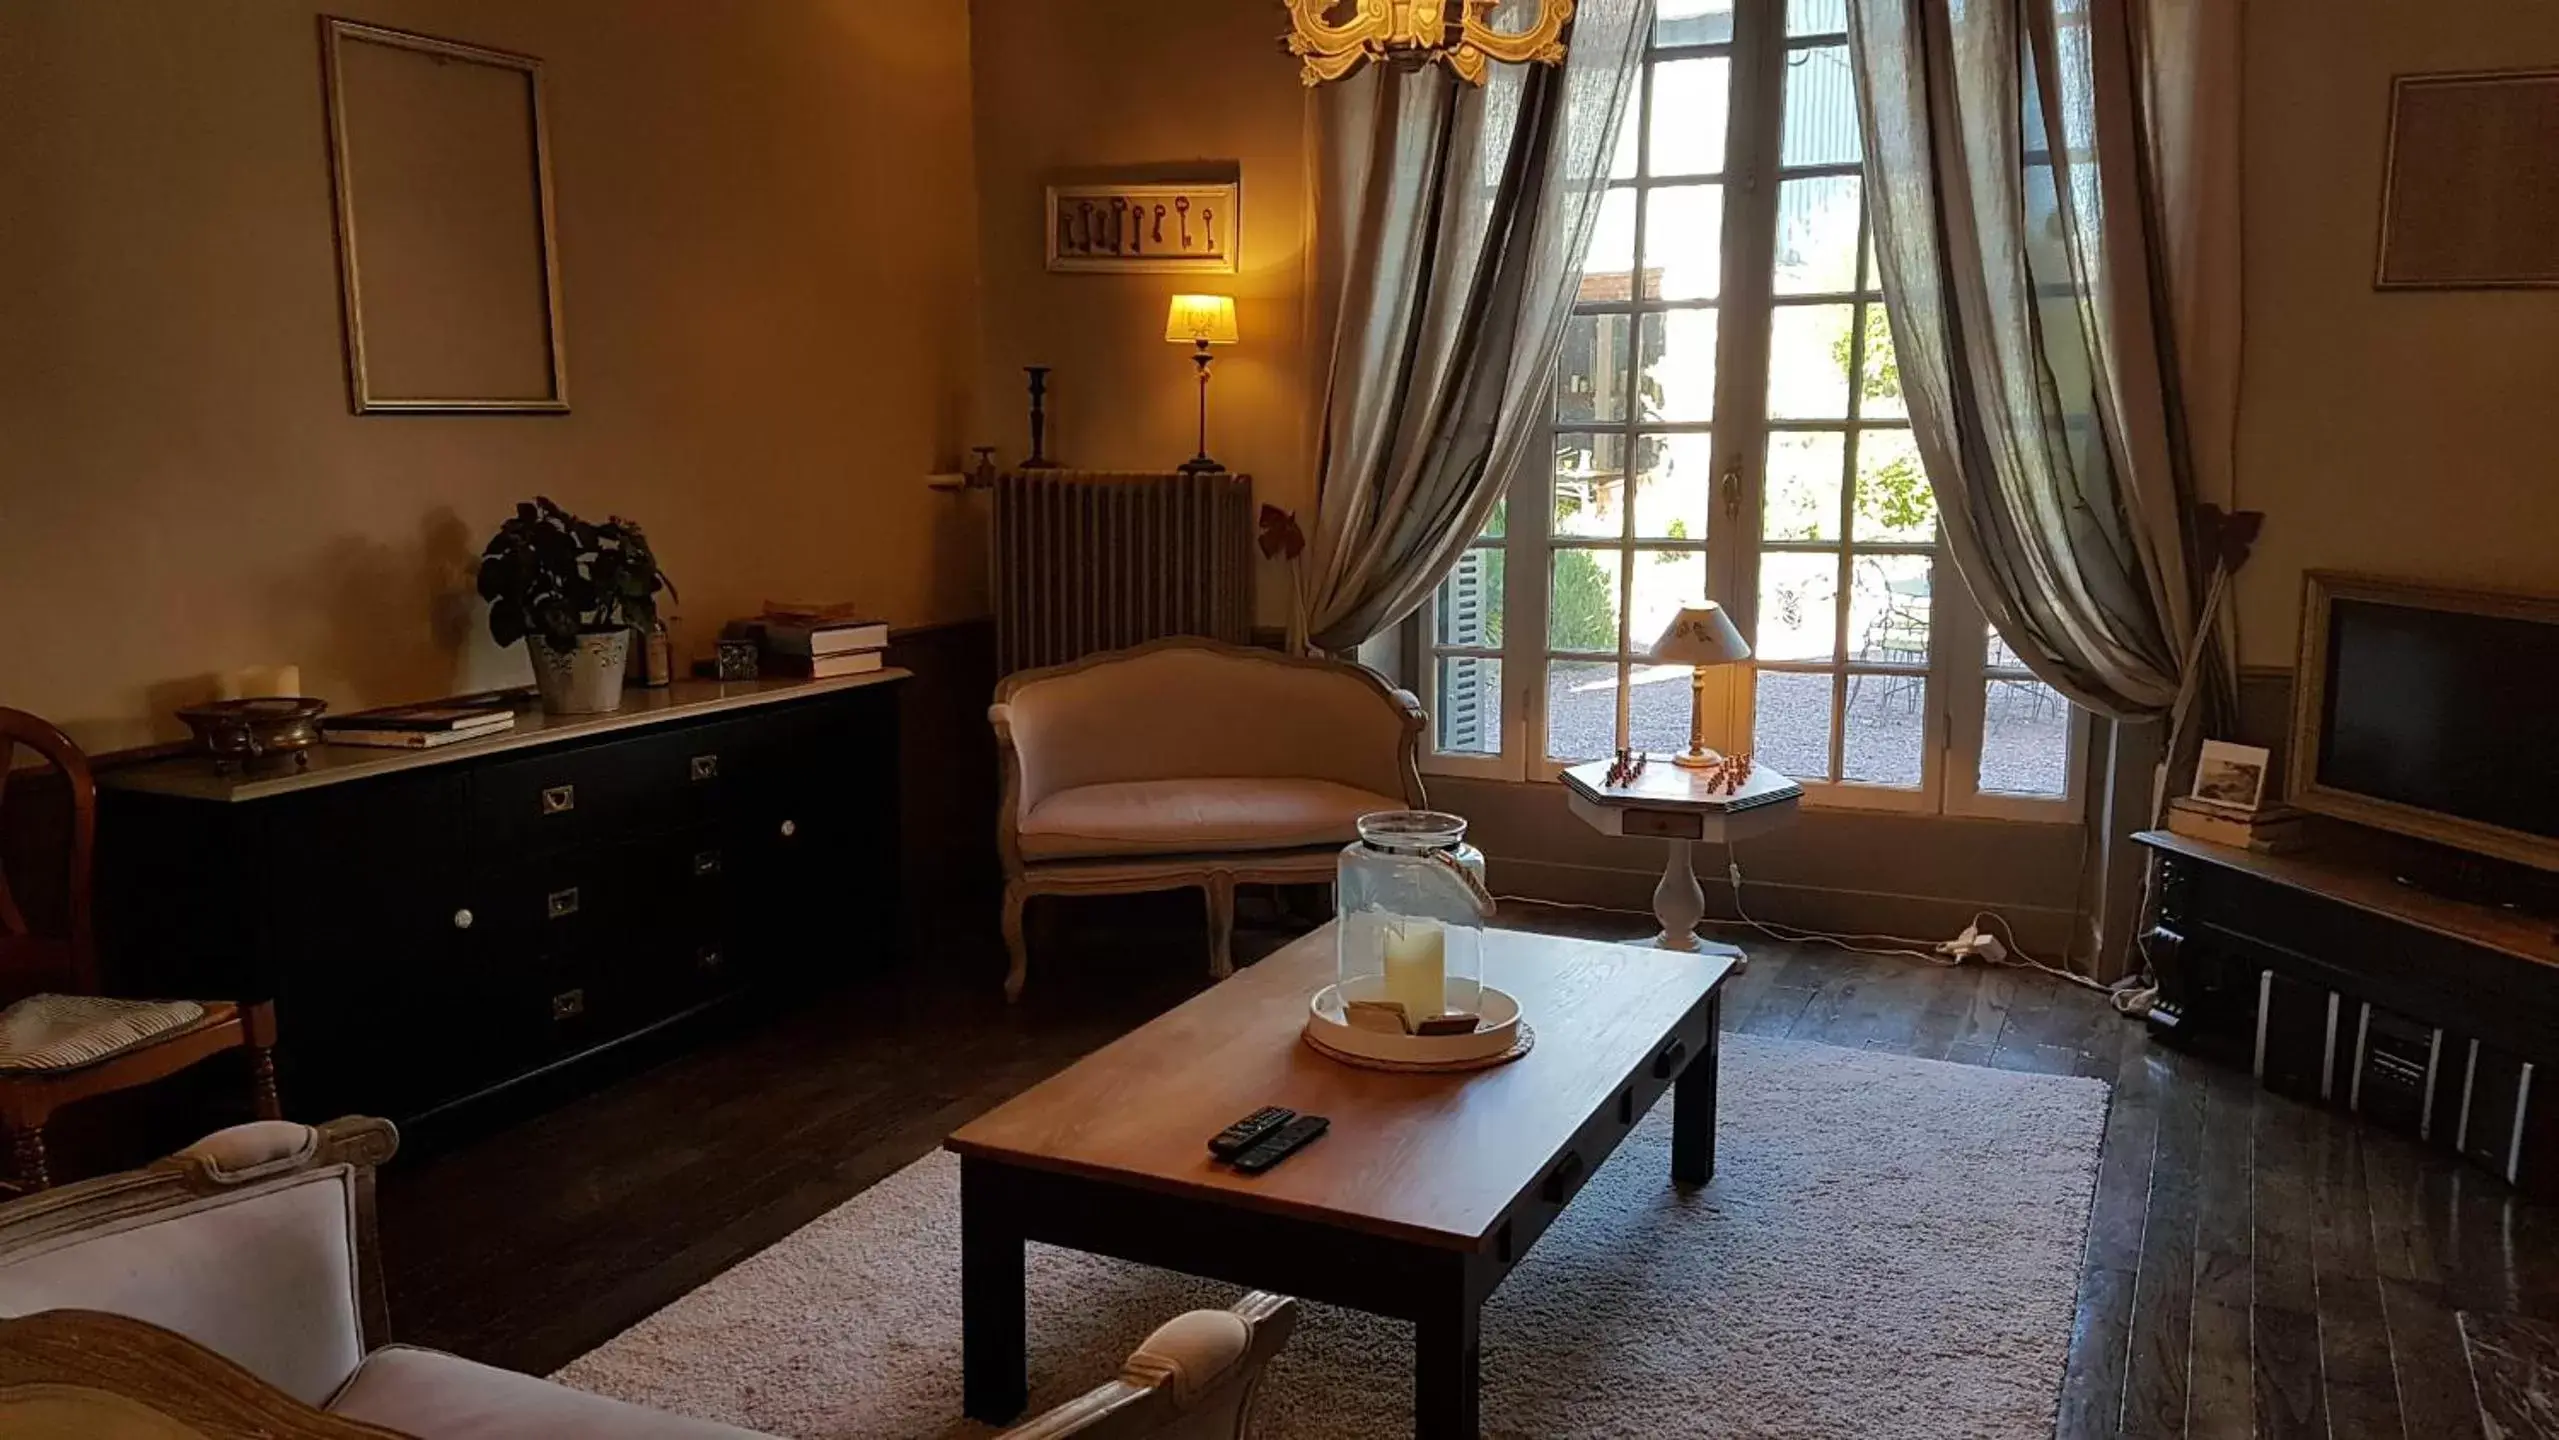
pixel 1419 32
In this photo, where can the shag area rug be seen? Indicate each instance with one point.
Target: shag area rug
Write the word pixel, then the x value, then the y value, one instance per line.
pixel 1891 1247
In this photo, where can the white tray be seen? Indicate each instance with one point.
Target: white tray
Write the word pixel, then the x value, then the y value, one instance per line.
pixel 1498 1034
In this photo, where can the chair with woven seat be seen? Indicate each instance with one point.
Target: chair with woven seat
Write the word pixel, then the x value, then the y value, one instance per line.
pixel 61 1041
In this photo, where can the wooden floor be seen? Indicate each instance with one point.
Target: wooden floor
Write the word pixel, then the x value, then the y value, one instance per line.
pixel 2254 1266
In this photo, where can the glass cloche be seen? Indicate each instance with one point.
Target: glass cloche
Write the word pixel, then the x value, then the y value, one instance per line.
pixel 1411 906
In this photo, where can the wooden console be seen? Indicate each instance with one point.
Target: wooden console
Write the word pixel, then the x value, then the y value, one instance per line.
pixel 438 925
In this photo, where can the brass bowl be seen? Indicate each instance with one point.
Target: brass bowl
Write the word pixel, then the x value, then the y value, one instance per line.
pixel 238 731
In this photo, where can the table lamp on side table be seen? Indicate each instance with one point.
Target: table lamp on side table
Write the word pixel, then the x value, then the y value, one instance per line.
pixel 1201 321
pixel 1699 636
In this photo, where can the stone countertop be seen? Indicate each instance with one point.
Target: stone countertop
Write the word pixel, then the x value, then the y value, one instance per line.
pixel 194 777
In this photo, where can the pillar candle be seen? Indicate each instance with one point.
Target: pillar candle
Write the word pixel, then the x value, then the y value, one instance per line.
pixel 258 681
pixel 1416 967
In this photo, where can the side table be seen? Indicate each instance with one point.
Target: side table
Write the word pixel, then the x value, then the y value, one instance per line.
pixel 1671 804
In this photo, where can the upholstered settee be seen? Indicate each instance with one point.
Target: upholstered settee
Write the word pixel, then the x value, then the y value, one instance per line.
pixel 256 1244
pixel 1189 763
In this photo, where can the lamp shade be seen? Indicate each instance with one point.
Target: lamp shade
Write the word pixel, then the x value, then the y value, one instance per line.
pixel 1207 319
pixel 1701 635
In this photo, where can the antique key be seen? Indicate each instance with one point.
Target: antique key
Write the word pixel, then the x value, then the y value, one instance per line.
pixel 1182 204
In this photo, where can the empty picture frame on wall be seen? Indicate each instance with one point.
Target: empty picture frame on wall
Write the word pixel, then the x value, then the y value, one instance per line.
pixel 448 258
pixel 2470 182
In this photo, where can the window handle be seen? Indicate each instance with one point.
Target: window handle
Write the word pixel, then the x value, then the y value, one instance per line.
pixel 1733 491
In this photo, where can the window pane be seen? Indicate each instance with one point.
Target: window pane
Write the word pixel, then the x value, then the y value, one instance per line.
pixel 1679 365
pixel 1469 719
pixel 1802 496
pixel 1894 503
pixel 1821 108
pixel 2025 739
pixel 1888 613
pixel 1608 269
pixel 1790 729
pixel 1881 398
pixel 1798 615
pixel 1590 484
pixel 1497 524
pixel 1581 709
pixel 1887 725
pixel 1816 17
pixel 1582 597
pixel 1808 362
pixel 1693 22
pixel 1658 698
pixel 1996 654
pixel 1690 100
pixel 1665 581
pixel 1469 611
pixel 1590 373
pixel 1684 242
pixel 1817 235
pixel 1630 131
pixel 1674 486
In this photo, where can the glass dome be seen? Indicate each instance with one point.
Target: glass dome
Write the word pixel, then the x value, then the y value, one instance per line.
pixel 1410 906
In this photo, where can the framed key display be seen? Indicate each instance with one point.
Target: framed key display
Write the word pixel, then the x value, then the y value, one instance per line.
pixel 1135 228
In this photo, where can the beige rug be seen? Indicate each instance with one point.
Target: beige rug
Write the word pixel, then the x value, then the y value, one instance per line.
pixel 1891 1247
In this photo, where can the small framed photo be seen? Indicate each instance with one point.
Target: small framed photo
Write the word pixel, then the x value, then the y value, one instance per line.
pixel 2231 776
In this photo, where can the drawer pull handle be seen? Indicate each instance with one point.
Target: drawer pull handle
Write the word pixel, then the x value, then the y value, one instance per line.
pixel 559 799
pixel 563 903
pixel 1560 1180
pixel 568 1005
pixel 706 767
pixel 1673 1055
pixel 706 862
pixel 710 958
pixel 790 828
pixel 462 919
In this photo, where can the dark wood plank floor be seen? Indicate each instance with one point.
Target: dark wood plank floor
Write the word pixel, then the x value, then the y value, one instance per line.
pixel 2254 1266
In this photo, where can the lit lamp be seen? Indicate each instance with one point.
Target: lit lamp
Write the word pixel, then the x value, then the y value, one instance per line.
pixel 1201 321
pixel 1699 636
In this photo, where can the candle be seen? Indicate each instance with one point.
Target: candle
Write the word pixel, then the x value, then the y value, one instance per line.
pixel 258 681
pixel 1416 966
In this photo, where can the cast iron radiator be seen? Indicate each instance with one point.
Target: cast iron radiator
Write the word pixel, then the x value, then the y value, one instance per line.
pixel 1092 560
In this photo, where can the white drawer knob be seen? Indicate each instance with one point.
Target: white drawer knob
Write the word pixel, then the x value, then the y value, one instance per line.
pixel 790 828
pixel 461 919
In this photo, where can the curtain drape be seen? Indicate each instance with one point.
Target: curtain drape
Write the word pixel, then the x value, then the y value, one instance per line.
pixel 1449 226
pixel 2054 193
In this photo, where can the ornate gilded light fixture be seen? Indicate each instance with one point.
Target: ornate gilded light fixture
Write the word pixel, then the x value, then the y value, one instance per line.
pixel 1419 32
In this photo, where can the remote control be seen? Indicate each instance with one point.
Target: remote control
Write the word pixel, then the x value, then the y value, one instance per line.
pixel 1281 1143
pixel 1241 1136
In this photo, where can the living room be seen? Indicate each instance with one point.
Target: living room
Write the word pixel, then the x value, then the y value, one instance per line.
pixel 720 1045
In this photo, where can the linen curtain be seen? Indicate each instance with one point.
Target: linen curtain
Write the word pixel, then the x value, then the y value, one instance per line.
pixel 1449 226
pixel 2054 193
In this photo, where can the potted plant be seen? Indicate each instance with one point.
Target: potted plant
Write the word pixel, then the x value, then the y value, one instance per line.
pixel 573 593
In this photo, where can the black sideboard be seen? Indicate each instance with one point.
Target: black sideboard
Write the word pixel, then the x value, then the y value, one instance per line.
pixel 436 926
pixel 2340 985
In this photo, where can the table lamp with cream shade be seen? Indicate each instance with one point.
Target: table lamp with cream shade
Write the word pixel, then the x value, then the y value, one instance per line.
pixel 1201 321
pixel 1699 636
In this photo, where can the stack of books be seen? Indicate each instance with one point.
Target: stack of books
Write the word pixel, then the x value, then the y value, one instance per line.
pixel 819 642
pixel 2270 830
pixel 418 727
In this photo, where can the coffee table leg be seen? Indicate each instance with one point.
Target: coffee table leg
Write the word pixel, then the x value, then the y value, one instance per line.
pixel 1692 1116
pixel 1447 1372
pixel 994 1359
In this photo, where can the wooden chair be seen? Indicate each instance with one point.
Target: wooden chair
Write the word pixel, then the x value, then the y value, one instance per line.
pixel 60 1040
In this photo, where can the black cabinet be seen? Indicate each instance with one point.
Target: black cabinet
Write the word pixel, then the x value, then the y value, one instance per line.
pixel 436 926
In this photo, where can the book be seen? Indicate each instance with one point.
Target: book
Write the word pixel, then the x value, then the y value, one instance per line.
pixel 836 637
pixel 2268 832
pixel 821 667
pixel 435 716
pixel 411 739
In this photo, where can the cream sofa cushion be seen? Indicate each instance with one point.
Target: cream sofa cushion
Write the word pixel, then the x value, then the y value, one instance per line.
pixel 1165 817
pixel 436 1396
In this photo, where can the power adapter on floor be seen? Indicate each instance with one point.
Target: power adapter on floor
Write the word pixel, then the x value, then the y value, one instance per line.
pixel 1974 943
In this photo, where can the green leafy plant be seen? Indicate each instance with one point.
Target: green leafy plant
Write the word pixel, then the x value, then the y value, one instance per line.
pixel 1584 613
pixel 548 573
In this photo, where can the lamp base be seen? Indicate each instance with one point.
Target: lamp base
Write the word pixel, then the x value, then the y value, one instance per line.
pixel 1200 465
pixel 1698 759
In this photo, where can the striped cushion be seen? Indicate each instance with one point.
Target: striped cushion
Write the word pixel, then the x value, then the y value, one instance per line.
pixel 64 1032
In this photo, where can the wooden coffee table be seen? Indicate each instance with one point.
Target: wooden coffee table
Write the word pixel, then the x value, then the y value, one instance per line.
pixel 1426 1192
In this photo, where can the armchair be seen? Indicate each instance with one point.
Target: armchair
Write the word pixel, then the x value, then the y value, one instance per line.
pixel 1186 763
pixel 256 1244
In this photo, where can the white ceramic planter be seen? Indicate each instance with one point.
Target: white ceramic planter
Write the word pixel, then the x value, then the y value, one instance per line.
pixel 585 679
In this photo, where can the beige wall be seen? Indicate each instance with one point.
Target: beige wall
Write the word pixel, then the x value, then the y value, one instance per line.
pixel 767 238
pixel 2406 433
pixel 1117 89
